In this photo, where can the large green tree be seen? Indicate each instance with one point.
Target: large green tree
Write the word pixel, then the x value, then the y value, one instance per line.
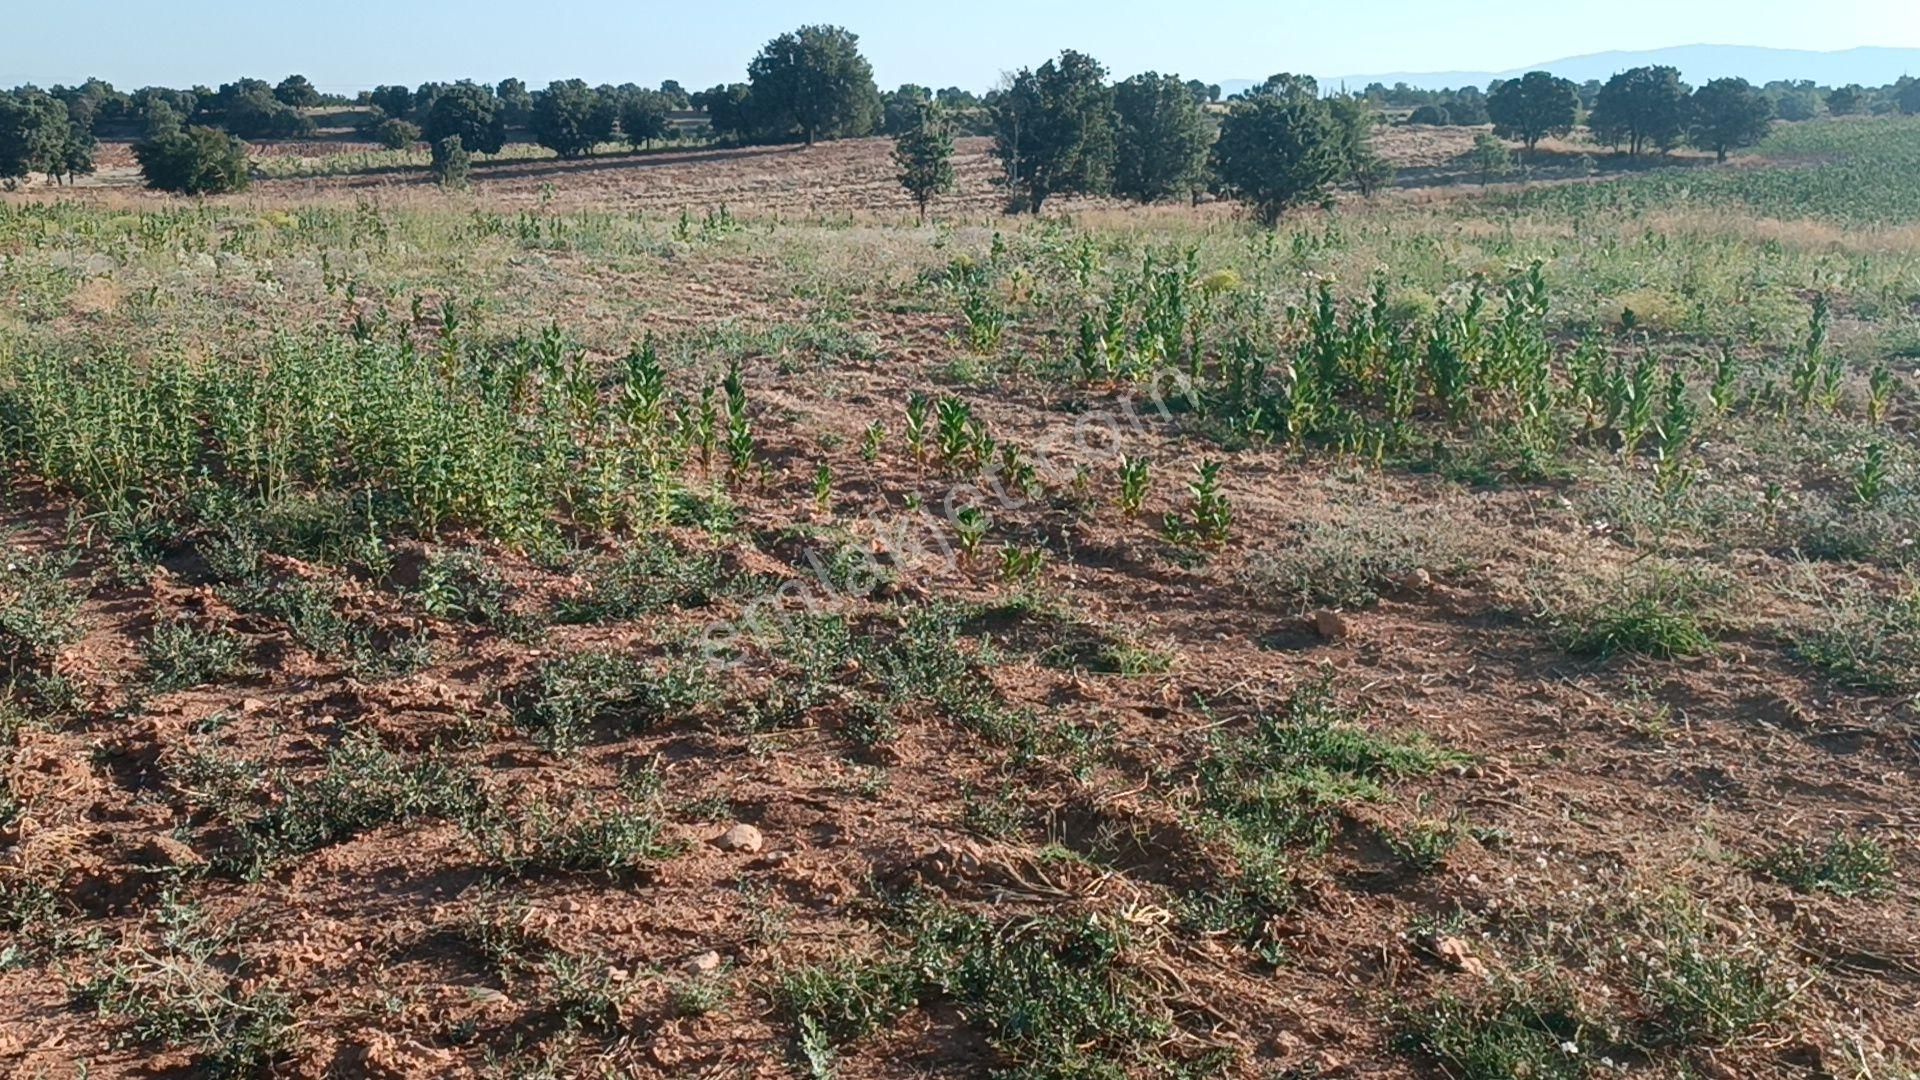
pixel 38 133
pixel 395 101
pixel 295 91
pixel 516 103
pixel 729 110
pixel 1532 107
pixel 1641 108
pixel 569 119
pixel 1727 114
pixel 815 83
pixel 1277 151
pixel 1162 136
pixel 1053 130
pixel 468 111
pixel 644 117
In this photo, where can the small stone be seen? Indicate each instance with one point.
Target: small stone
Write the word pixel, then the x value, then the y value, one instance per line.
pixel 744 838
pixel 165 851
pixel 704 964
pixel 1458 955
pixel 252 706
pixel 1331 625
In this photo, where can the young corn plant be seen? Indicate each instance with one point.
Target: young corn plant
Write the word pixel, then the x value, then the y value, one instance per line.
pixel 740 449
pixel 1676 435
pixel 970 525
pixel 959 436
pixel 1870 475
pixel 871 442
pixel 823 488
pixel 1021 563
pixel 1210 523
pixel 1879 394
pixel 1816 374
pixel 1134 483
pixel 918 408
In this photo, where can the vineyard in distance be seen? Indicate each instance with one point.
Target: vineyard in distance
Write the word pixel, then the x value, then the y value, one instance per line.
pixel 1099 580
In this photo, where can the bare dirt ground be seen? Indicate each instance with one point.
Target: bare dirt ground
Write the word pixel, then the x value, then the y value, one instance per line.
pixel 1605 818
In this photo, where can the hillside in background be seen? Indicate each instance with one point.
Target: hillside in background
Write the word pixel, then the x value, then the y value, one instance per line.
pixel 1697 63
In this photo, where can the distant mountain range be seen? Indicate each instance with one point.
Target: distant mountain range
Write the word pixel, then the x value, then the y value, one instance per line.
pixel 1869 66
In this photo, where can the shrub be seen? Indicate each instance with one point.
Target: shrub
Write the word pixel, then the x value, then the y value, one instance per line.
pixel 1844 866
pixel 1431 116
pixel 197 161
pixel 396 134
pixel 452 164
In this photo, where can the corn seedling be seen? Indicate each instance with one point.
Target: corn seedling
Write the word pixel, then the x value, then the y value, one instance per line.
pixel 970 524
pixel 1133 486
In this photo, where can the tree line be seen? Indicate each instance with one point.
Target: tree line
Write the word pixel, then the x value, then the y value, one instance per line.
pixel 1792 100
pixel 1060 128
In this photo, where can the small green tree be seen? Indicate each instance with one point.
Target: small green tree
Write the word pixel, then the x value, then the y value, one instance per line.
pixel 1278 151
pixel 452 164
pixel 1431 116
pixel 924 155
pixel 196 161
pixel 1490 158
pixel 1360 164
pixel 1727 114
pixel 1053 130
pixel 814 82
pixel 1532 107
pixel 1162 138
pixel 568 119
pixel 470 112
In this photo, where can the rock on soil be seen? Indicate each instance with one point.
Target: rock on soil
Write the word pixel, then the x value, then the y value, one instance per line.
pixel 744 838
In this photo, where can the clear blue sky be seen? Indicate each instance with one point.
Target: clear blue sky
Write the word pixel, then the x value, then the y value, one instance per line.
pixel 346 45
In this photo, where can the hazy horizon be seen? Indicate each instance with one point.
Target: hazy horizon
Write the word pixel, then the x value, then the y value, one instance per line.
pixel 359 43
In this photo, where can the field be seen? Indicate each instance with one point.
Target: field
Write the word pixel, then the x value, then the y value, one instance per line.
pixel 668 615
